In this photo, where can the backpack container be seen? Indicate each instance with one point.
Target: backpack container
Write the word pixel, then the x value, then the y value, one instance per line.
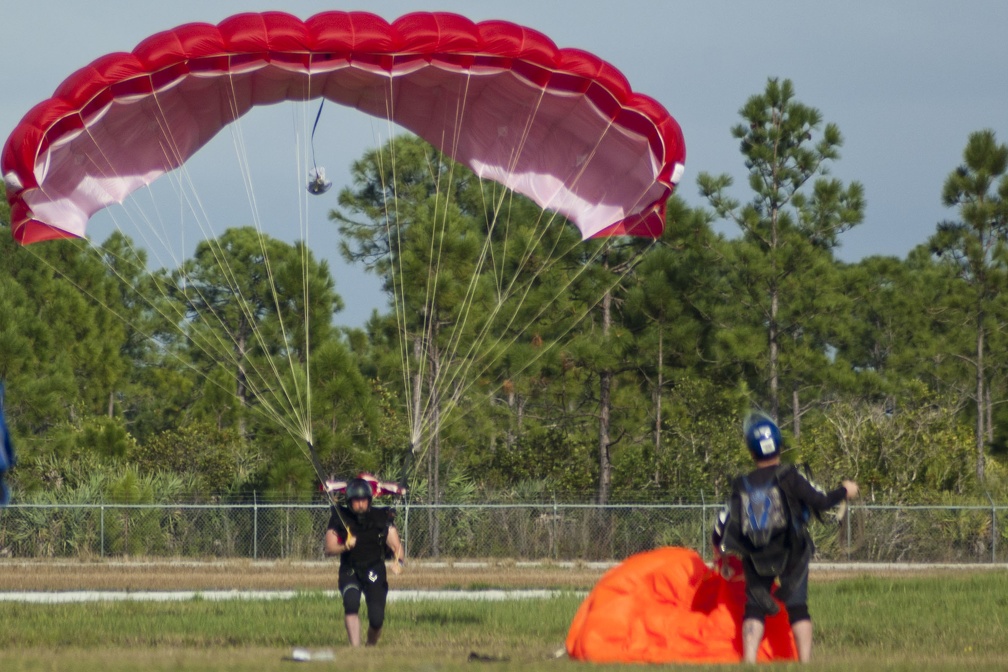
pixel 760 530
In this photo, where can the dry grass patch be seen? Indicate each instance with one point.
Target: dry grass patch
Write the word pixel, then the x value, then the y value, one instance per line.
pixel 42 575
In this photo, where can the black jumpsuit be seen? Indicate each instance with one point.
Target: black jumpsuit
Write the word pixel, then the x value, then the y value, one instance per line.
pixel 362 568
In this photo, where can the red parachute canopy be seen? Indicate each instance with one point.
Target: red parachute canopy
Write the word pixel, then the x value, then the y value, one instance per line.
pixel 560 126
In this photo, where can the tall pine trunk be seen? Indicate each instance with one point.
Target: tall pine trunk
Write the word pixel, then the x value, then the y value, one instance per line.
pixel 980 434
pixel 241 382
pixel 605 403
pixel 658 403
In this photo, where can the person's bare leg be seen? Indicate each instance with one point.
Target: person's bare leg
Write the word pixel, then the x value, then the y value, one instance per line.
pixel 752 635
pixel 352 622
pixel 372 635
pixel 802 631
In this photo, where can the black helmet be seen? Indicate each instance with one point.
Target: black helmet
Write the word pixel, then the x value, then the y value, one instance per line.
pixel 358 488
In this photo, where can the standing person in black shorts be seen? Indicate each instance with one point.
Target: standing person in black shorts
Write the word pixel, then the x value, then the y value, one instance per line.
pixel 766 524
pixel 362 550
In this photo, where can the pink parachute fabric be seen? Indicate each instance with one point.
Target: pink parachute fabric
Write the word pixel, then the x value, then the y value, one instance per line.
pixel 667 606
pixel 560 126
pixel 378 488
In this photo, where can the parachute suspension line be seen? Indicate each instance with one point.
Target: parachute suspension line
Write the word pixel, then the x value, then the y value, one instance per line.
pixel 163 239
pixel 305 277
pixel 455 377
pixel 533 244
pixel 461 322
pixel 298 401
pixel 259 388
pixel 331 496
pixel 395 274
pixel 412 380
pixel 471 360
pixel 447 373
pixel 547 305
pixel 302 409
pixel 431 350
pixel 294 399
pixel 536 241
pixel 501 343
pixel 430 354
pixel 427 407
pixel 125 319
pixel 173 158
pixel 153 234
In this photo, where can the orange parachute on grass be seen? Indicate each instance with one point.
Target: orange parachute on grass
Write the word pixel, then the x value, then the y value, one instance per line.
pixel 666 606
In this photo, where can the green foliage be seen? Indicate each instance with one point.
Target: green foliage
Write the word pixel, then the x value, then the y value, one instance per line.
pixel 781 271
pixel 702 448
pixel 218 460
pixel 107 437
pixel 977 248
pixel 910 453
pixel 561 466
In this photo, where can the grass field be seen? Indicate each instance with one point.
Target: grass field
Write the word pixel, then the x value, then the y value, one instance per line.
pixel 936 620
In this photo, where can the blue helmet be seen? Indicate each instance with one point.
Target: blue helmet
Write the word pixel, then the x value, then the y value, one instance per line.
pixel 762 437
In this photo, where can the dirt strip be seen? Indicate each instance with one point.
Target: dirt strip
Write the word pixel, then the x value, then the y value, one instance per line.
pixel 176 575
pixel 281 575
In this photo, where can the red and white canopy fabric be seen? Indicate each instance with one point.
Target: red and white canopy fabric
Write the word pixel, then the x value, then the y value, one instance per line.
pixel 560 126
pixel 378 488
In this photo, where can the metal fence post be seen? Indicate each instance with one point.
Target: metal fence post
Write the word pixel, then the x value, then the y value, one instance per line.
pixel 993 528
pixel 102 528
pixel 703 524
pixel 405 535
pixel 255 526
pixel 555 540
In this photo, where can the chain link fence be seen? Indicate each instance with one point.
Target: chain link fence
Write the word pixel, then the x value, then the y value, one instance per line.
pixel 559 532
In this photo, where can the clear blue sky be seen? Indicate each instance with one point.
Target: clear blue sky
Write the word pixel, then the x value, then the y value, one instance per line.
pixel 905 80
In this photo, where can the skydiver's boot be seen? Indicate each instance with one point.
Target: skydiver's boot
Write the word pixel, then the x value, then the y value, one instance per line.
pixel 372 636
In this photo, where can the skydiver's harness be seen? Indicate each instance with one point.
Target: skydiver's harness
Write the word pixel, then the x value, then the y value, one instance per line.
pixel 765 524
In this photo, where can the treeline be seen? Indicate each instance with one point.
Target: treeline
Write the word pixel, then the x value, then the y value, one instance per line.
pixel 517 362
